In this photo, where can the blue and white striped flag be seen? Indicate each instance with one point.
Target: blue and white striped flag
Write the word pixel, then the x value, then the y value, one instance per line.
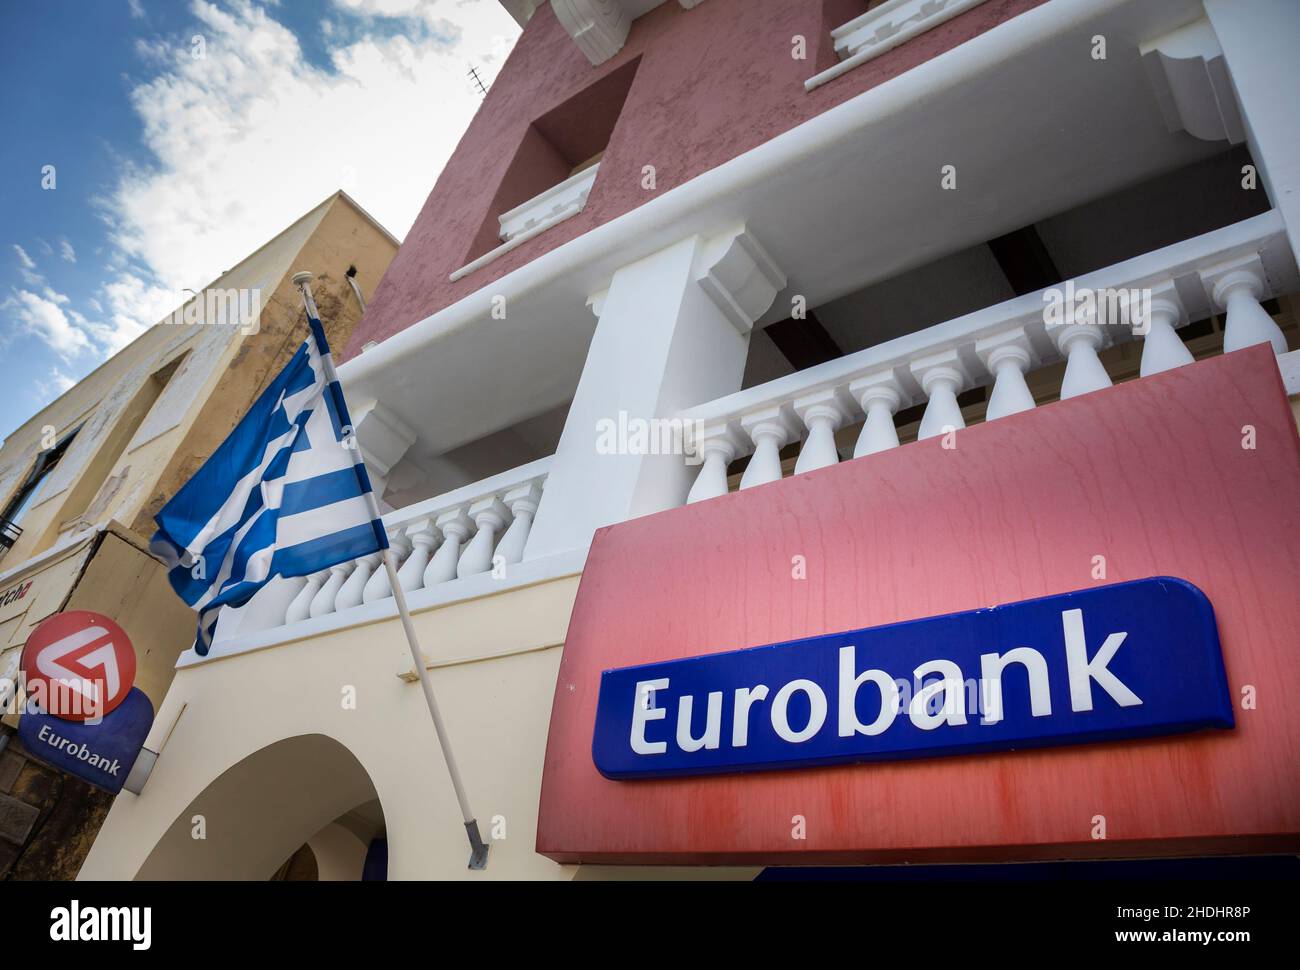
pixel 286 494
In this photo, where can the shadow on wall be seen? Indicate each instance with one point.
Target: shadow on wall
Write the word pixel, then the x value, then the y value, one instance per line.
pixel 303 790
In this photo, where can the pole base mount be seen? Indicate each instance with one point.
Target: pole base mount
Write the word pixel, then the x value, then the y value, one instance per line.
pixel 478 856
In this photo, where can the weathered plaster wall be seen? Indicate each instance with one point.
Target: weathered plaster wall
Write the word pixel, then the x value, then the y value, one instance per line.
pixel 713 82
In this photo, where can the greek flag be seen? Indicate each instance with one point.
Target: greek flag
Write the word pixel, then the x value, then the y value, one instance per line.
pixel 286 494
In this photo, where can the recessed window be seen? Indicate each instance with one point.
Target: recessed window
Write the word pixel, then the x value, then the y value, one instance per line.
pixel 556 162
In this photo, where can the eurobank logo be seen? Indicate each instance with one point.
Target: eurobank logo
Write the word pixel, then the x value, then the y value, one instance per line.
pixel 1130 660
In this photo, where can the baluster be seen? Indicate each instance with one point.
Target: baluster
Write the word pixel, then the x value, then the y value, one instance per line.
pixel 770 430
pixel 880 396
pixel 522 502
pixel 822 413
pixel 1162 349
pixel 1237 288
pixel 1008 356
pixel 455 527
pixel 1078 341
pixel 377 586
pixel 300 608
pixel 267 609
pixel 323 602
pixel 352 591
pixel 489 515
pixel 941 377
pixel 718 446
pixel 424 537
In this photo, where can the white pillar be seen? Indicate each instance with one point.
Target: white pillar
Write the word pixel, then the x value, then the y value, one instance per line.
pixel 323 602
pixel 771 430
pixel 383 438
pixel 718 448
pixel 823 414
pixel 424 536
pixel 1162 348
pixel 880 396
pixel 490 516
pixel 377 586
pixel 455 527
pixel 1078 343
pixel 673 332
pixel 300 608
pixel 352 591
pixel 1258 39
pixel 522 502
pixel 941 376
pixel 1008 356
pixel 1237 288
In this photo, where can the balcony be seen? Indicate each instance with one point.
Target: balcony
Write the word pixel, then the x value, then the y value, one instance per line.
pixel 1003 348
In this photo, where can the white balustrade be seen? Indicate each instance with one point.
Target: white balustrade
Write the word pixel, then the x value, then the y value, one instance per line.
pixel 1232 269
pixel 428 540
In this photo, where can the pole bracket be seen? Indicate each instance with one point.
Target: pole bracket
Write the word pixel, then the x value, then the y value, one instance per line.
pixel 478 857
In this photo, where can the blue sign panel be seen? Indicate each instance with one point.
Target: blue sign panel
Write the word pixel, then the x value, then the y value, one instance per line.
pixel 1125 661
pixel 101 753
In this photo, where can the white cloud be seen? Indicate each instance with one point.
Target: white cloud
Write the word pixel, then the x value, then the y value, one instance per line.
pixel 137 8
pixel 251 136
pixel 45 318
pixel 27 268
pixel 57 384
pixel 66 251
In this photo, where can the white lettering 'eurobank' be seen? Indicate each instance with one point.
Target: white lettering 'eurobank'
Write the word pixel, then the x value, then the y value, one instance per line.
pixel 936 704
pixel 73 923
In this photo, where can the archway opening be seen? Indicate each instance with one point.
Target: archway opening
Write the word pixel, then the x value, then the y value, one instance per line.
pixel 306 792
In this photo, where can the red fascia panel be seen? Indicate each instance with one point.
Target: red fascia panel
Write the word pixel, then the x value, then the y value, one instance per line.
pixel 1152 475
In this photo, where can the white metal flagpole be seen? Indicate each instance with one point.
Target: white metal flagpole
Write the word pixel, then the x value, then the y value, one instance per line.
pixel 478 848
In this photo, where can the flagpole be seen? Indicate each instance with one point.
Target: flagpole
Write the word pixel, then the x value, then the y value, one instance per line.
pixel 478 848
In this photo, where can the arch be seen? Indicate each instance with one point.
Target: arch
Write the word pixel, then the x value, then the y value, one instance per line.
pixel 261 810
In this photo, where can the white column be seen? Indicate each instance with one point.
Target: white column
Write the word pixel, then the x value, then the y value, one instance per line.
pixel 322 603
pixel 771 430
pixel 1007 356
pixel 300 608
pixel 1162 349
pixel 269 607
pixel 489 516
pixel 718 448
pixel 941 377
pixel 1078 343
pixel 522 502
pixel 673 332
pixel 377 586
pixel 455 527
pixel 352 591
pixel 1237 288
pixel 424 536
pixel 1258 39
pixel 880 396
pixel 823 414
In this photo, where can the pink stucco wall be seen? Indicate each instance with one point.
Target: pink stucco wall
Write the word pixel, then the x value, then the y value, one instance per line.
pixel 712 83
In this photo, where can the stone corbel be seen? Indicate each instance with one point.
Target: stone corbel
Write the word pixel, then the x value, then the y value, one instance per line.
pixel 383 438
pixel 739 276
pixel 598 27
pixel 1190 79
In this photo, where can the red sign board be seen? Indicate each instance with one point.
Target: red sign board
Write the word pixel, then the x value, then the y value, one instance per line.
pixel 78 665
pixel 1153 477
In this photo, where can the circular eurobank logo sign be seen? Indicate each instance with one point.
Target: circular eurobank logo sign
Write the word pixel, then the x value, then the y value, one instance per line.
pixel 78 665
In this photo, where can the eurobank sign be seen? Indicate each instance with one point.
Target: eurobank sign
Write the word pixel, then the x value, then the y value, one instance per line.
pixel 943 680
pixel 1124 661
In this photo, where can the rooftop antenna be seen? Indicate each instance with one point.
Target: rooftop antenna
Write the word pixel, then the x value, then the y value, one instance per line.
pixel 478 81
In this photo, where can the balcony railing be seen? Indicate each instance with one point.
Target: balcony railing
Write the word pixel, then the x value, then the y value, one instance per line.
pixel 465 533
pixel 1230 269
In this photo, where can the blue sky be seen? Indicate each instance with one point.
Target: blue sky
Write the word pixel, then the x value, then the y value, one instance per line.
pixel 175 157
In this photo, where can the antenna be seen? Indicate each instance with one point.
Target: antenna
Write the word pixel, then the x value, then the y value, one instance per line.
pixel 473 73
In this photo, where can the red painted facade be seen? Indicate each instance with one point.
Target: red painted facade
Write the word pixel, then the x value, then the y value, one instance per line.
pixel 1152 475
pixel 710 84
